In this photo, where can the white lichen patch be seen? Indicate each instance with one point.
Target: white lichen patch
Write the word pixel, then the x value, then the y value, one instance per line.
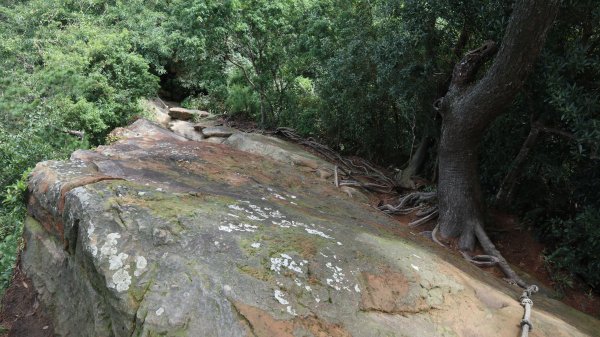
pixel 338 279
pixel 316 232
pixel 242 227
pixel 278 294
pixel 93 250
pixel 290 310
pixel 286 261
pixel 121 280
pixel 92 240
pixel 110 246
pixel 287 223
pixel 276 214
pixel 140 265
pixel 91 228
pixel 117 261
pixel 255 245
pixel 235 207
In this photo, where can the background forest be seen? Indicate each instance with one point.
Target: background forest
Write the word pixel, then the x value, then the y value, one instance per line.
pixel 359 75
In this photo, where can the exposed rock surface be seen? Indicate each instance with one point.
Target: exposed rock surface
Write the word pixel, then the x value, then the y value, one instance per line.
pixel 156 235
pixel 158 109
pixel 277 149
pixel 218 131
pixel 185 129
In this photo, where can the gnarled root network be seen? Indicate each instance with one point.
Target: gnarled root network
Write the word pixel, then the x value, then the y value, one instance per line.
pixel 424 205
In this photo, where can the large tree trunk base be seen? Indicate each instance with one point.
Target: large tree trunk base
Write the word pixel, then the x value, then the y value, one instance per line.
pixel 425 206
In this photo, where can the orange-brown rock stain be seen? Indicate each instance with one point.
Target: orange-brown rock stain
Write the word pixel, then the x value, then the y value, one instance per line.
pixel 262 324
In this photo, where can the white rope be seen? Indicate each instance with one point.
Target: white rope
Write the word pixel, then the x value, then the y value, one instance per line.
pixel 527 303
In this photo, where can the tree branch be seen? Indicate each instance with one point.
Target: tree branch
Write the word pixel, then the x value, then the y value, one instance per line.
pixel 466 70
pixel 522 43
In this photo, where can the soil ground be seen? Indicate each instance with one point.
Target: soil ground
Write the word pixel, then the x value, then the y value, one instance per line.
pixel 22 314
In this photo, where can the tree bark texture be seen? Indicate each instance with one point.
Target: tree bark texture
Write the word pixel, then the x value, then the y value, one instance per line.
pixel 470 106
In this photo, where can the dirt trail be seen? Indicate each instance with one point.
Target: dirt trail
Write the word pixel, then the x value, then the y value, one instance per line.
pixel 21 314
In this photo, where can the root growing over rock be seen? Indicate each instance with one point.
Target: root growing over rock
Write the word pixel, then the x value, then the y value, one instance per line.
pixel 425 206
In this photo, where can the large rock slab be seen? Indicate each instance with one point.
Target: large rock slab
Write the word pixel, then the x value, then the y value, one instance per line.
pixel 217 131
pixel 276 149
pixel 185 129
pixel 156 235
pixel 157 110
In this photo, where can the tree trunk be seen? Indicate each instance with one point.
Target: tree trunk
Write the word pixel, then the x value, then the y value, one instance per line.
pixel 459 191
pixel 470 106
pixel 414 165
pixel 507 187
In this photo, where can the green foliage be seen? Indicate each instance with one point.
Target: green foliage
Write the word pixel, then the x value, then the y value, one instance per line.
pixel 62 68
pixel 579 244
pixel 11 220
pixel 559 188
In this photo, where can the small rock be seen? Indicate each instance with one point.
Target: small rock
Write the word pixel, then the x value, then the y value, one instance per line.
pixel 214 140
pixel 218 131
pixel 186 114
pixel 354 193
pixel 199 127
pixel 185 129
pixel 324 173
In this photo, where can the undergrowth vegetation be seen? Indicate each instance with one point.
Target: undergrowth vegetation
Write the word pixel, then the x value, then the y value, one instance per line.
pixel 359 75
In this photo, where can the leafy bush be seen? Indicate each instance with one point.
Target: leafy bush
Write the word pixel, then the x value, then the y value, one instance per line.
pixel 577 245
pixel 11 220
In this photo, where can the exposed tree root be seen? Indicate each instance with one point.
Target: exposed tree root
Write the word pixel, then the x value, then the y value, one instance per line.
pixel 434 236
pixel 424 204
pixel 433 215
pixel 351 172
pixel 480 260
pixel 490 249
pixel 416 201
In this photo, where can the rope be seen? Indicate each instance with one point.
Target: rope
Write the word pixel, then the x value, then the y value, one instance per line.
pixel 527 303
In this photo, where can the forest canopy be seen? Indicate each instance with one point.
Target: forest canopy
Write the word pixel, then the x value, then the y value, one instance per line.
pixel 361 76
